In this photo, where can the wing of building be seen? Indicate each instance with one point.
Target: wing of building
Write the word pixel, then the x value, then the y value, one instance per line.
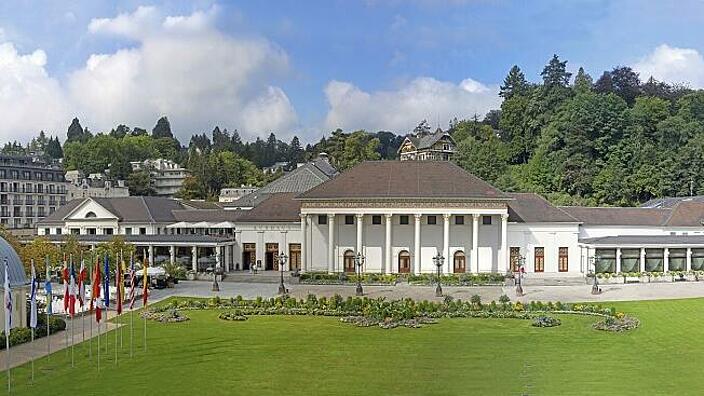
pixel 399 215
pixel 19 284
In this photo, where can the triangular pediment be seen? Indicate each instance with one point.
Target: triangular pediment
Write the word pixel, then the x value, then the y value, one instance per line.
pixel 91 210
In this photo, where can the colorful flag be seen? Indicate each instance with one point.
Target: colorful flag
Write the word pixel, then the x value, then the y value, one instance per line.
pixel 106 283
pixel 64 276
pixel 122 278
pixel 95 291
pixel 82 283
pixel 8 299
pixel 33 299
pixel 47 287
pixel 145 281
pixel 72 291
pixel 118 291
pixel 132 281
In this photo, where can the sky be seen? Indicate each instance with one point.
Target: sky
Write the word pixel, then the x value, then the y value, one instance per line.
pixel 307 68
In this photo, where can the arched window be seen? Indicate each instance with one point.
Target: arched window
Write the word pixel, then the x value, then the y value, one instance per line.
pixel 349 261
pixel 459 262
pixel 91 215
pixel 404 262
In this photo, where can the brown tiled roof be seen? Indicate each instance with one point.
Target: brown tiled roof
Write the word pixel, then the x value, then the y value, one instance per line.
pixel 209 215
pixel 405 179
pixel 62 211
pixel 687 214
pixel 618 215
pixel 280 207
pixel 532 208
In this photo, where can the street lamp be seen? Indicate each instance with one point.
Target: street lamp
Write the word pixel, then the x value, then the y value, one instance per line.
pixel 282 262
pixel 595 285
pixel 519 286
pixel 359 261
pixel 439 260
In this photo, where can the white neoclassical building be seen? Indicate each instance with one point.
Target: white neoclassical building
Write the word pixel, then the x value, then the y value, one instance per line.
pixel 399 215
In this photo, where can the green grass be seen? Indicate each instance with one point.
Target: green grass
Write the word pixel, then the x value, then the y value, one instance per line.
pixel 317 355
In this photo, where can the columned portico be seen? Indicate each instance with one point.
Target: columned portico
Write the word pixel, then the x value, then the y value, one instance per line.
pixel 360 227
pixel 304 242
pixel 503 262
pixel 475 243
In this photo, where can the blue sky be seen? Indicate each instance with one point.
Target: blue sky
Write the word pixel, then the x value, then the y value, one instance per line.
pixel 305 68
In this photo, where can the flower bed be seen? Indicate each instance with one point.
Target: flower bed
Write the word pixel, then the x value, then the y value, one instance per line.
pixel 323 278
pixel 387 313
pixel 618 323
pixel 232 316
pixel 165 316
pixel 481 279
pixel 545 321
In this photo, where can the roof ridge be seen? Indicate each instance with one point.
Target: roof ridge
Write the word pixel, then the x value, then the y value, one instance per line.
pixel 149 212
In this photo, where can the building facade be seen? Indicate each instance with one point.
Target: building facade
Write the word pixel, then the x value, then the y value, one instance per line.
pixel 29 190
pixel 437 146
pixel 399 216
pixel 95 185
pixel 166 176
pixel 233 194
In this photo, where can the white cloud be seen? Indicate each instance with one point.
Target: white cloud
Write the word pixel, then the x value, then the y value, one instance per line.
pixel 400 110
pixel 30 100
pixel 184 68
pixel 672 64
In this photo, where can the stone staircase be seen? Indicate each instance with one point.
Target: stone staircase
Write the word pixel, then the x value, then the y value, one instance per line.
pixel 259 277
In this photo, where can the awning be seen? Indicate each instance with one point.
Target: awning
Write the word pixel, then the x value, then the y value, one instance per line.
pixel 646 241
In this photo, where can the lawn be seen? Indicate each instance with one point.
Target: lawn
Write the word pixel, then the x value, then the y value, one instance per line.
pixel 320 355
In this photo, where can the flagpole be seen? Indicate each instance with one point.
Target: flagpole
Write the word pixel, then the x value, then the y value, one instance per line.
pixel 8 323
pixel 72 307
pixel 32 356
pixel 146 291
pixel 90 275
pixel 50 301
pixel 7 362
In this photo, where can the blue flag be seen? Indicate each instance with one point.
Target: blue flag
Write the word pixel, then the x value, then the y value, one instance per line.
pixel 47 287
pixel 106 282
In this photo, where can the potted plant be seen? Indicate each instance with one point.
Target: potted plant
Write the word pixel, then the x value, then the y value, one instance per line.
pixel 645 277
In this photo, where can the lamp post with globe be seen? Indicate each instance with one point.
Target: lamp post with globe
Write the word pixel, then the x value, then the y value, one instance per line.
pixel 519 285
pixel 439 260
pixel 282 262
pixel 359 262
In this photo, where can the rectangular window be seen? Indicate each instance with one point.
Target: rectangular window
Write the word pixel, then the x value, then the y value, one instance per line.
pixel 349 219
pixel 432 220
pixel 539 263
pixel 47 231
pixel 322 219
pixel 107 231
pixel 486 220
pixel 128 231
pixel 142 231
pixel 58 231
pixel 376 219
pixel 459 220
pixel 403 219
pixel 562 260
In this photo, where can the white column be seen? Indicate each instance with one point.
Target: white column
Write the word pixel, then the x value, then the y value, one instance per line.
pixel 151 256
pixel 642 259
pixel 446 242
pixel 475 243
pixel 218 260
pixel 388 265
pixel 304 243
pixel 261 250
pixel 172 254
pixel 689 259
pixel 504 243
pixel 194 258
pixel 618 260
pixel 666 260
pixel 360 225
pixel 331 243
pixel 416 245
pixel 237 250
pixel 226 265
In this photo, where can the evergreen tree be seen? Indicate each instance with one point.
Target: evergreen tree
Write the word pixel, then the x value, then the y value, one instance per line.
pixel 604 84
pixel 583 81
pixel 74 132
pixel 514 84
pixel 162 129
pixel 555 73
pixel 295 154
pixel 53 148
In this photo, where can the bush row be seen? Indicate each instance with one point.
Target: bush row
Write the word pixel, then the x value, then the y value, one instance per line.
pixel 20 335
pixel 343 278
pixel 466 279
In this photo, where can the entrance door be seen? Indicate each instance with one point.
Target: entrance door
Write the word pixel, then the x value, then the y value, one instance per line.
pixel 249 256
pixel 271 261
pixel 515 255
pixel 404 262
pixel 294 254
pixel 349 261
pixel 459 261
pixel 539 259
